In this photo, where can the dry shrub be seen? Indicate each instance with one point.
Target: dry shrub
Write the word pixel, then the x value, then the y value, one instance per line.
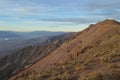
pixel 105 58
pixel 77 68
pixel 92 76
pixel 113 66
pixel 95 76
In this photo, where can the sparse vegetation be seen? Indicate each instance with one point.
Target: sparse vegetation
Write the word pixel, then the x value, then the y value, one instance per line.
pixel 113 66
pixel 98 58
pixel 95 76
pixel 77 68
pixel 105 58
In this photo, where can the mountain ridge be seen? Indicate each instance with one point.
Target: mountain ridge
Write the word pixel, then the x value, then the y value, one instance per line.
pixel 88 39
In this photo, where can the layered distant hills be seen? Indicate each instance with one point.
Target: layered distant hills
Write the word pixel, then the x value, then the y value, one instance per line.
pixel 11 41
pixel 11 34
pixel 25 57
pixel 91 54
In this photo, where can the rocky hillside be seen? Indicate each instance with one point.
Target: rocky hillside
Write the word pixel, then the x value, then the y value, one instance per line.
pixel 27 56
pixel 92 54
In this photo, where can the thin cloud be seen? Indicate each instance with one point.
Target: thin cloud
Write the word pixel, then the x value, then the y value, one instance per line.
pixel 72 20
pixel 57 12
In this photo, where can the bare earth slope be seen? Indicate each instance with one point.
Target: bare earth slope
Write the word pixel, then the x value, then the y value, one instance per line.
pixel 93 54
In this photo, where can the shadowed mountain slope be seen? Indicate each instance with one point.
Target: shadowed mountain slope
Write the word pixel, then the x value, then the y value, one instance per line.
pixel 92 54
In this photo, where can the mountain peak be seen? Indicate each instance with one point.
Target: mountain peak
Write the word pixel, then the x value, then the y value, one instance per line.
pixel 108 21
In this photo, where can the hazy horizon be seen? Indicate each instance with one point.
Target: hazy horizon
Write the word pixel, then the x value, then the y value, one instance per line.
pixel 58 15
pixel 38 31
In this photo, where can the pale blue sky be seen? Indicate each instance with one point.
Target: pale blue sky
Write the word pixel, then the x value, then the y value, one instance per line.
pixel 55 15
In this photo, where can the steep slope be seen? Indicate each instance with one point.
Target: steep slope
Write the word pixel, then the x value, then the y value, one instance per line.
pixel 27 56
pixel 94 49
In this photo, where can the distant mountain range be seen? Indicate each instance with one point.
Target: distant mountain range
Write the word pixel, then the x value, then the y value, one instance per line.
pixel 10 34
pixel 11 41
pixel 27 56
